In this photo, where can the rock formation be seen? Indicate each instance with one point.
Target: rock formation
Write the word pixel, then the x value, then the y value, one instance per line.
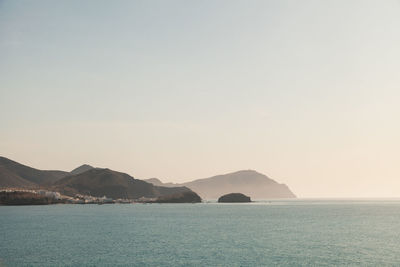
pixel 234 198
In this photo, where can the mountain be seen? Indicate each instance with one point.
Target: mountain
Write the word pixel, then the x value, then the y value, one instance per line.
pixel 105 182
pixel 14 174
pixel 99 182
pixel 83 180
pixel 157 182
pixel 81 169
pixel 248 182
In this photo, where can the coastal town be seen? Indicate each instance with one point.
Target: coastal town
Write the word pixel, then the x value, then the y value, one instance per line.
pixel 18 196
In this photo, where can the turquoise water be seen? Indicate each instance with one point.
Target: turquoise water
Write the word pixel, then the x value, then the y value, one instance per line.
pixel 285 233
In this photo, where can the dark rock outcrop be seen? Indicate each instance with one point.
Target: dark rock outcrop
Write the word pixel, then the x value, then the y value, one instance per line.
pixel 234 198
pixel 183 197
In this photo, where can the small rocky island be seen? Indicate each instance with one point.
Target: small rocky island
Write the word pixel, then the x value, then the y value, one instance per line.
pixel 182 197
pixel 234 198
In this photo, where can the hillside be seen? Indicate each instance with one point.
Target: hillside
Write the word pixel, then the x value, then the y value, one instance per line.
pixel 105 182
pixel 81 169
pixel 248 182
pixel 157 182
pixel 14 174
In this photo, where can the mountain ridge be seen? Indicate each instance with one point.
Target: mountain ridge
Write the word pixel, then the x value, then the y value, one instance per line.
pixel 25 176
pixel 82 168
pixel 84 180
pixel 249 182
pixel 105 182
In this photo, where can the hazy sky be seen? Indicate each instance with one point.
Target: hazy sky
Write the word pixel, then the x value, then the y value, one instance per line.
pixel 306 92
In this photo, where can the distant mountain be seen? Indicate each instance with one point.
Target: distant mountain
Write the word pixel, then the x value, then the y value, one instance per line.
pixel 248 182
pixel 154 181
pixel 105 182
pixel 14 174
pixel 157 182
pixel 82 168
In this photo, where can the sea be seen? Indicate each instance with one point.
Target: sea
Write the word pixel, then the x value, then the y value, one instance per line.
pixel 300 232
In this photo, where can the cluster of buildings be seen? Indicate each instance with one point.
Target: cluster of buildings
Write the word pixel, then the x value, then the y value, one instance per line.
pixel 85 199
pixel 77 199
pixel 49 194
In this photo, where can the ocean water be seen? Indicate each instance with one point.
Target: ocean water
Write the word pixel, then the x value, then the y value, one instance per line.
pixel 271 233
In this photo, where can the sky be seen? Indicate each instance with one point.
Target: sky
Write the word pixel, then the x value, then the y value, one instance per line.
pixel 306 92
